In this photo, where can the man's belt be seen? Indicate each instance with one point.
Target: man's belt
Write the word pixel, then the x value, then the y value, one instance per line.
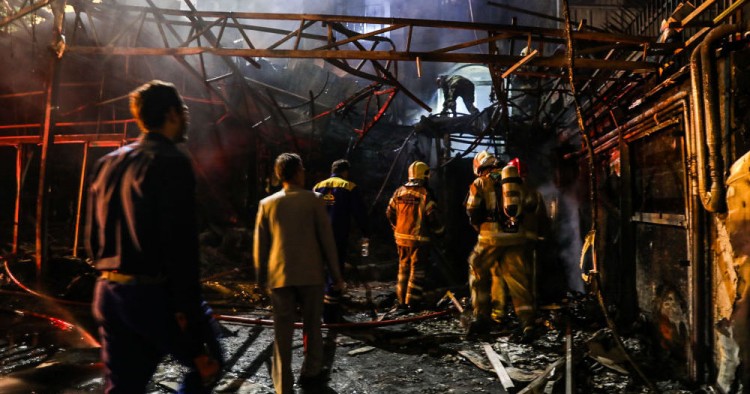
pixel 125 279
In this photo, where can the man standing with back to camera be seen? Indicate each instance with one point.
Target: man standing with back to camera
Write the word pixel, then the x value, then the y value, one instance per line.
pixel 343 201
pixel 293 244
pixel 414 217
pixel 142 235
pixel 505 212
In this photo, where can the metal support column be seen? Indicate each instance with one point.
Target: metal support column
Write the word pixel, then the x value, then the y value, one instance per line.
pixel 81 194
pixel 17 213
pixel 50 110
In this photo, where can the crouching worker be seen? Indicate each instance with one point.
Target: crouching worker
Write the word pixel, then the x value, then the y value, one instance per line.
pixel 142 236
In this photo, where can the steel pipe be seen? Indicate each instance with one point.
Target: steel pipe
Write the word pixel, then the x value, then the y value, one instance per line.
pixel 713 196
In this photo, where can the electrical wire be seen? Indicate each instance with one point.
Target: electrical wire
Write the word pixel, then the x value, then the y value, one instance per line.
pixel 390 170
pixel 494 119
pixel 593 196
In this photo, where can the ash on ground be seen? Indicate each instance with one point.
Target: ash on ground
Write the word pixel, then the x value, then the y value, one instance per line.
pixel 432 355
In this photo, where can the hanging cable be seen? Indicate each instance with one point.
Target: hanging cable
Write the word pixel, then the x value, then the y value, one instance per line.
pixel 494 119
pixel 390 171
pixel 591 236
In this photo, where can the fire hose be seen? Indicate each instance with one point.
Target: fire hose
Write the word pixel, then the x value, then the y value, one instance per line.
pixel 239 319
pixel 365 324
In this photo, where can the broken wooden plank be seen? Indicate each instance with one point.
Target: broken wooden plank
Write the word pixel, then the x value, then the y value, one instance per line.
pixel 502 374
pixel 361 350
pixel 477 360
pixel 516 374
pixel 541 381
pixel 520 375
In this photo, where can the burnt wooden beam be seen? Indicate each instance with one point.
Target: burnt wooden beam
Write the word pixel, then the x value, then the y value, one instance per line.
pixel 372 34
pixel 23 12
pixel 519 30
pixel 500 60
pixel 94 140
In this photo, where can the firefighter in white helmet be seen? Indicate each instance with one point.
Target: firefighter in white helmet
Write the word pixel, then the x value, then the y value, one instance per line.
pixel 497 204
pixel 413 214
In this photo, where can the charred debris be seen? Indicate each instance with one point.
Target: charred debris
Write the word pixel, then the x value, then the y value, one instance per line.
pixel 629 114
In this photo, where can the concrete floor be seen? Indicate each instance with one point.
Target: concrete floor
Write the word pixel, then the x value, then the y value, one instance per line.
pixel 42 355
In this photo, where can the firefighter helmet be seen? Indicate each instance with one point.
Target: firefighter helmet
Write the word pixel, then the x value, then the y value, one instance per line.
pixel 419 171
pixel 483 160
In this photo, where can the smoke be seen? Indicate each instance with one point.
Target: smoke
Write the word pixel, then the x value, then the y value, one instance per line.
pixel 568 237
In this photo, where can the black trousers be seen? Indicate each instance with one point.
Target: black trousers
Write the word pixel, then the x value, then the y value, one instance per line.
pixel 138 328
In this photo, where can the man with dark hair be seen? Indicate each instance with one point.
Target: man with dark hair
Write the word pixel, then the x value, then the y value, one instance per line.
pixel 142 236
pixel 343 201
pixel 293 245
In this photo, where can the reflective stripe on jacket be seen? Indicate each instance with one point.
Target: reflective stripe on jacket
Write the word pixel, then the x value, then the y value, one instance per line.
pixel 343 201
pixel 413 214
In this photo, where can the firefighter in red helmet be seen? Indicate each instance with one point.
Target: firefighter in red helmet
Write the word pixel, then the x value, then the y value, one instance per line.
pixel 498 204
pixel 413 215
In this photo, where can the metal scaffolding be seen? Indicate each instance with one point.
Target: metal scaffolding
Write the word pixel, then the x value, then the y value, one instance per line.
pixel 107 30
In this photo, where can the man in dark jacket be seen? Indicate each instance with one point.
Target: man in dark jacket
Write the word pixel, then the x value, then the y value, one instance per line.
pixel 142 236
pixel 343 201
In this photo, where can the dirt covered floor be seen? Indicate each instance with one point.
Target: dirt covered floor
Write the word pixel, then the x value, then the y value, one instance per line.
pixel 49 346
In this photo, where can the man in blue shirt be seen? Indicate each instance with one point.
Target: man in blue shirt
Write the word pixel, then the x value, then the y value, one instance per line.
pixel 142 236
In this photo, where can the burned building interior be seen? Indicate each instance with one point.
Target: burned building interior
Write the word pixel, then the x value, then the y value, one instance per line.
pixel 627 115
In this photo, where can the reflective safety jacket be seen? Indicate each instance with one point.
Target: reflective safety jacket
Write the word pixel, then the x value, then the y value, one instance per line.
pixel 413 214
pixel 484 206
pixel 343 201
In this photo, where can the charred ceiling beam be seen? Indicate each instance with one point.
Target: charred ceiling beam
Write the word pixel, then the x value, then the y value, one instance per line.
pixel 23 12
pixel 394 24
pixel 383 70
pixel 95 140
pixel 521 31
pixel 501 60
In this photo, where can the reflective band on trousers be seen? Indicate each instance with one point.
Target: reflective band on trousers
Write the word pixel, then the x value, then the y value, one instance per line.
pixel 411 237
pixel 502 240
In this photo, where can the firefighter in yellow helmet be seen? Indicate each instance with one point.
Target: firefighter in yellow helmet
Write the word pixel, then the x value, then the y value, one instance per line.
pixel 413 214
pixel 498 204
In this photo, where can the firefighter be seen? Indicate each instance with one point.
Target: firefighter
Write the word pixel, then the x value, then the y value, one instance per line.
pixel 498 205
pixel 738 228
pixel 454 87
pixel 413 215
pixel 343 201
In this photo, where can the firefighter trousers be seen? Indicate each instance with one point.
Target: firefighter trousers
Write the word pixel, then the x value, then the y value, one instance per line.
pixel 489 266
pixel 412 261
pixel 138 328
